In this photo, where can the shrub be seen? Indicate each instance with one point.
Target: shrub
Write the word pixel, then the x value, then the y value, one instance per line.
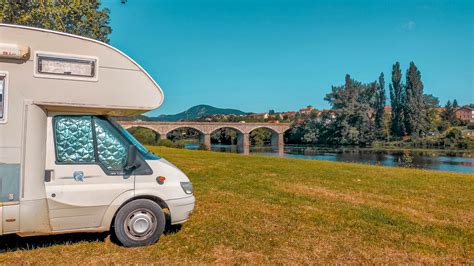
pixel 202 147
pixel 144 135
pixel 377 144
pixel 454 133
pixel 443 126
pixel 406 160
pixel 166 143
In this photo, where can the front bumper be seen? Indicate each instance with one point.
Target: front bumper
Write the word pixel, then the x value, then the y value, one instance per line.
pixel 180 209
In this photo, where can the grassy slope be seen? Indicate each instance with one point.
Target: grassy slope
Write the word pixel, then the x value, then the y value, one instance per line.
pixel 264 210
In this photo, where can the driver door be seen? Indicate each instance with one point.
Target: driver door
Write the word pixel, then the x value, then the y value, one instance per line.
pixel 85 170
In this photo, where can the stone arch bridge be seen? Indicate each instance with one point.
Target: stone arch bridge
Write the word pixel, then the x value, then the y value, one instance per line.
pixel 206 128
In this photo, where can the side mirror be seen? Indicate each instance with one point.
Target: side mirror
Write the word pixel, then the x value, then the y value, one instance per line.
pixel 132 161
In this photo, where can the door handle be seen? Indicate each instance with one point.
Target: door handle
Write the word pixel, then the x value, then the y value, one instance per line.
pixel 78 176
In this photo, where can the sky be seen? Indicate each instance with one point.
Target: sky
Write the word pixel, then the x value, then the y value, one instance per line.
pixel 256 55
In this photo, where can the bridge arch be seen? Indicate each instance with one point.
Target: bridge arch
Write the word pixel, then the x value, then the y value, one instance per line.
pixel 143 136
pixel 240 136
pixel 203 138
pixel 277 141
pixel 272 130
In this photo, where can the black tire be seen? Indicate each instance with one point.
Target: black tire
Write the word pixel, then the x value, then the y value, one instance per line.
pixel 139 223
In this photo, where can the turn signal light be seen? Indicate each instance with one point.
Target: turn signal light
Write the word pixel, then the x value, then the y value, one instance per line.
pixel 160 180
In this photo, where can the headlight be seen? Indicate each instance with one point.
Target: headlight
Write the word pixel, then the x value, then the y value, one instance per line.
pixel 187 187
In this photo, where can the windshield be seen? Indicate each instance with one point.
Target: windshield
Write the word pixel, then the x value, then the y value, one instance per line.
pixel 148 155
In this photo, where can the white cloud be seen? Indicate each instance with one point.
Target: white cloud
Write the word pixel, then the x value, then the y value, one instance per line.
pixel 410 25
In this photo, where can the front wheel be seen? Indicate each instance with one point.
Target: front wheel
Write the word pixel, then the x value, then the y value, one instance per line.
pixel 139 223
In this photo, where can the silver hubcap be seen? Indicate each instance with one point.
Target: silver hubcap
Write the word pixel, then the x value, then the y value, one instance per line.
pixel 140 224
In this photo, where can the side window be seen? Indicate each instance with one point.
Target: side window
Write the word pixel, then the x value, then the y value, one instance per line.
pixel 3 100
pixel 74 139
pixel 111 149
pixel 90 139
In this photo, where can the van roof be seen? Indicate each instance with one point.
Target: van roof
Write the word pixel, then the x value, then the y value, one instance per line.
pixel 120 83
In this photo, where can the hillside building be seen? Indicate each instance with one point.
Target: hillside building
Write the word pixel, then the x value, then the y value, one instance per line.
pixel 465 113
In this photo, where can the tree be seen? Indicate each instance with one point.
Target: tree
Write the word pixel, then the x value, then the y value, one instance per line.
pixel 312 131
pixel 449 114
pixel 271 112
pixel 224 136
pixel 77 17
pixel 144 135
pixel 430 101
pixel 343 100
pixel 414 111
pixel 455 104
pixel 431 108
pixel 397 101
pixel 387 118
pixel 183 133
pixel 380 106
pixel 260 137
pixel 353 104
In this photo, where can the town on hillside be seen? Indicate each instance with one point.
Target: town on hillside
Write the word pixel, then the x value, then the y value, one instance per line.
pixel 464 113
pixel 271 116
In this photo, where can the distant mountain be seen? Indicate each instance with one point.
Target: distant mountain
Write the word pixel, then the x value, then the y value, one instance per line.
pixel 196 112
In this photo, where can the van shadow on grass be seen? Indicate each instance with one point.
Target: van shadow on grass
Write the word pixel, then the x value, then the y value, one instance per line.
pixel 10 243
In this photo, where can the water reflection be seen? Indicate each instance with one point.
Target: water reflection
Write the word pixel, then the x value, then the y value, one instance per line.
pixel 453 161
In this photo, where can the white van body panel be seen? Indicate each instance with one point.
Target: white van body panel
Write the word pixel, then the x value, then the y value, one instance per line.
pixel 32 194
pixel 38 194
pixel 79 204
pixel 179 203
pixel 11 215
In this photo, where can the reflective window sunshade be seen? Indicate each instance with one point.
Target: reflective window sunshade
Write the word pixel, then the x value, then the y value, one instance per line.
pixel 111 149
pixel 74 139
pixel 90 139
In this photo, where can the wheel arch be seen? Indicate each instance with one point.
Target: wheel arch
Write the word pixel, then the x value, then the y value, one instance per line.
pixel 153 198
pixel 127 197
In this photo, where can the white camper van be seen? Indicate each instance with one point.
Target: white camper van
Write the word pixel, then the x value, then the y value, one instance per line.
pixel 65 166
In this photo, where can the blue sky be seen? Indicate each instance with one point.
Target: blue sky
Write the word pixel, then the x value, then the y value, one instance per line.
pixel 257 55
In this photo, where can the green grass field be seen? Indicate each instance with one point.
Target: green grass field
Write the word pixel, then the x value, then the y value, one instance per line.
pixel 253 209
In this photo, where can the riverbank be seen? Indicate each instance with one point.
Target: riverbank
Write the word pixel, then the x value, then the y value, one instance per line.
pixel 461 161
pixel 256 209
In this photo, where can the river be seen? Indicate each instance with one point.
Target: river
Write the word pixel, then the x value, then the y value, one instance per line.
pixel 441 160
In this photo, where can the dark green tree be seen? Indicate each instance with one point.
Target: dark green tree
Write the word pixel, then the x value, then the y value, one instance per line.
pixel 224 136
pixel 144 135
pixel 83 18
pixel 344 100
pixel 260 137
pixel 455 104
pixel 367 112
pixel 431 108
pixel 430 101
pixel 397 101
pixel 353 104
pixel 448 115
pixel 380 106
pixel 414 112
